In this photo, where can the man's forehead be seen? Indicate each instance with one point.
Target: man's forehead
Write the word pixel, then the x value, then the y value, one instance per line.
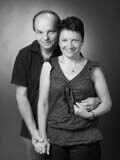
pixel 45 22
pixel 46 17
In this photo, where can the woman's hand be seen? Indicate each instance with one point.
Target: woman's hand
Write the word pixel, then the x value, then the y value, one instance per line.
pixel 82 111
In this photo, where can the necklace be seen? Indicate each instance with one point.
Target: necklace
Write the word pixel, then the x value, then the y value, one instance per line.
pixel 74 68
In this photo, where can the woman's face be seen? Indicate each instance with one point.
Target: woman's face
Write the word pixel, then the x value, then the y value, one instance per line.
pixel 70 43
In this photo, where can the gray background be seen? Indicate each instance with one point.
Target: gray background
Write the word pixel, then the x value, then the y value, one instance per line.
pixel 102 43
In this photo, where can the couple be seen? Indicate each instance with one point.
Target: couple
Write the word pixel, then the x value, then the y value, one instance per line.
pixel 67 115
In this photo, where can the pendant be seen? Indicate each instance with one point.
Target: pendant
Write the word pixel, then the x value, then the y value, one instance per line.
pixel 73 71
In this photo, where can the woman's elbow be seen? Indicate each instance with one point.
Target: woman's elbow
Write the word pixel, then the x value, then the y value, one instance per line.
pixel 108 104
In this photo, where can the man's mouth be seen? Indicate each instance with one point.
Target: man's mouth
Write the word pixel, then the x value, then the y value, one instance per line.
pixel 47 43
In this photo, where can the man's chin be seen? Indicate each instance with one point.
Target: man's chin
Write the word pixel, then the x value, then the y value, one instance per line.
pixel 47 46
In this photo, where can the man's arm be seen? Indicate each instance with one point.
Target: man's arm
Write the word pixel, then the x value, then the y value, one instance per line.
pixel 26 112
pixel 91 103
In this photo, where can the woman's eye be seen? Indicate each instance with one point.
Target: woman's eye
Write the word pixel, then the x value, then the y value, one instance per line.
pixel 75 40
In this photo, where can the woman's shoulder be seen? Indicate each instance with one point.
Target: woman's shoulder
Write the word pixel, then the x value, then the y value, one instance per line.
pixel 93 64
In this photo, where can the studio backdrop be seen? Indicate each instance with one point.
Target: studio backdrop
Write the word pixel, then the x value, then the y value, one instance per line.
pixel 102 43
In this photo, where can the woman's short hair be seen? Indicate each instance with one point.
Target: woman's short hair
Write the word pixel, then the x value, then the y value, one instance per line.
pixel 72 24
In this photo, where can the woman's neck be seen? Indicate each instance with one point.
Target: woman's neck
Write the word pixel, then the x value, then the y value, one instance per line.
pixel 75 59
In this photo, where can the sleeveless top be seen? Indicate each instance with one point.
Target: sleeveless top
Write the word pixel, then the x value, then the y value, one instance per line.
pixel 63 126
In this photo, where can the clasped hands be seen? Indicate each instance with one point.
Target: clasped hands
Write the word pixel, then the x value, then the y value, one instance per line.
pixel 41 146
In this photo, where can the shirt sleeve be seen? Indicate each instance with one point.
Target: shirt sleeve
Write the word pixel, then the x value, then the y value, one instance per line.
pixel 19 74
pixel 94 65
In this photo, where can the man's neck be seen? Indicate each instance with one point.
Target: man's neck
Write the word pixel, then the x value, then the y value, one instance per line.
pixel 46 53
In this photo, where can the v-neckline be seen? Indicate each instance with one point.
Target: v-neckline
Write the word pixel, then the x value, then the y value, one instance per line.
pixel 79 73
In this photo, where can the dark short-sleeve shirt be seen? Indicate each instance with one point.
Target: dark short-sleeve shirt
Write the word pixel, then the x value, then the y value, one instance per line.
pixel 26 72
pixel 64 127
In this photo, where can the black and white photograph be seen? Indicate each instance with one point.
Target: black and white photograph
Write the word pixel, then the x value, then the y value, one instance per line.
pixel 59 79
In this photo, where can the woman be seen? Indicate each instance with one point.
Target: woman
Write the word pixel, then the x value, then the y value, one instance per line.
pixel 65 81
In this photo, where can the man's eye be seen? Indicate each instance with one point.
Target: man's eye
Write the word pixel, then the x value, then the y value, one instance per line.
pixel 39 32
pixel 64 40
pixel 51 32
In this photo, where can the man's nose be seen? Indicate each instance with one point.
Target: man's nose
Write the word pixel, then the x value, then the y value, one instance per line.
pixel 45 36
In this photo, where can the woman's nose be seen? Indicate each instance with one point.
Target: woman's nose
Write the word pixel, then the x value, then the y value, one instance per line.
pixel 70 44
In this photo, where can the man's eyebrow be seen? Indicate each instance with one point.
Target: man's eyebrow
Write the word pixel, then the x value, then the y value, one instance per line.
pixel 38 30
pixel 52 30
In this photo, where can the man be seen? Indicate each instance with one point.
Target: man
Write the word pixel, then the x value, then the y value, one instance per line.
pixel 26 75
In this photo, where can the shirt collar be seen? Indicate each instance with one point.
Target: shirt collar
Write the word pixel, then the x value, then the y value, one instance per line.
pixel 36 48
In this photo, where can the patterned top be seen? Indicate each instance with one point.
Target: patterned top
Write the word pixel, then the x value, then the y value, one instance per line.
pixel 64 127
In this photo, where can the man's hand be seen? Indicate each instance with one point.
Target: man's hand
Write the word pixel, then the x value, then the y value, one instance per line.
pixel 90 103
pixel 47 144
pixel 81 111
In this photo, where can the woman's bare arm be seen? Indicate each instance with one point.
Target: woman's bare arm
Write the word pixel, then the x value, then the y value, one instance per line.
pixel 102 92
pixel 43 99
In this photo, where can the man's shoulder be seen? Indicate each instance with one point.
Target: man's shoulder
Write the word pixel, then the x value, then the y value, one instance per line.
pixel 27 48
pixel 24 54
pixel 26 51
